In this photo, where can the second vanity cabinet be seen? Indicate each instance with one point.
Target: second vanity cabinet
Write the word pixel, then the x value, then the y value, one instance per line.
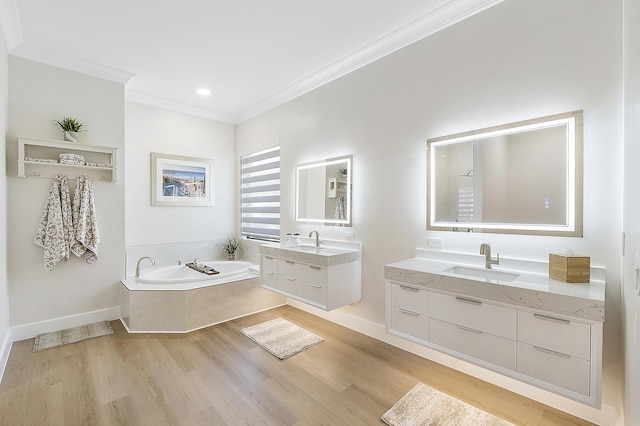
pixel 326 281
pixel 504 329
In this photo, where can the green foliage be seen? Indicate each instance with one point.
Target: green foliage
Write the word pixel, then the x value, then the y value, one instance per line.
pixel 70 124
pixel 230 244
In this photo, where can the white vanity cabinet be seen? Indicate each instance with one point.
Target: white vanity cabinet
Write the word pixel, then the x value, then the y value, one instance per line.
pixel 327 281
pixel 550 339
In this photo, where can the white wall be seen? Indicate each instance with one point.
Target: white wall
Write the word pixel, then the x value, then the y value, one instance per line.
pixel 5 329
pixel 631 298
pixel 518 60
pixel 74 289
pixel 156 230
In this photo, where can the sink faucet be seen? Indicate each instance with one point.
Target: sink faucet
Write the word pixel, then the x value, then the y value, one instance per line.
pixel 317 237
pixel 485 248
pixel 153 262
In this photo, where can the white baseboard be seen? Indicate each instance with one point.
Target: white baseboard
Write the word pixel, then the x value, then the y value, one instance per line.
pixel 5 350
pixel 605 416
pixel 27 331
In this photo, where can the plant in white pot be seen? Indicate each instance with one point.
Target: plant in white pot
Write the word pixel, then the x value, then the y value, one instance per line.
pixel 230 245
pixel 71 126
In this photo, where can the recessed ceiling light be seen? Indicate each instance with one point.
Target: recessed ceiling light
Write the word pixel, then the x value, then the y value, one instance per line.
pixel 203 91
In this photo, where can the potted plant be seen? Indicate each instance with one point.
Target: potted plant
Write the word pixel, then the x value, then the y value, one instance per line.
pixel 343 172
pixel 231 244
pixel 71 126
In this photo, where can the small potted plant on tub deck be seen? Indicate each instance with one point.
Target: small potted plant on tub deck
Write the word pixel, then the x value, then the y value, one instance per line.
pixel 231 244
pixel 71 126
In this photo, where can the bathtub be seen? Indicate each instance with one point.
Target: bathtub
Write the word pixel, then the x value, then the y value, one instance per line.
pixel 183 274
pixel 177 299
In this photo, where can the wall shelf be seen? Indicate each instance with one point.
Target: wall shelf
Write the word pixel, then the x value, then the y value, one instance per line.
pixel 48 151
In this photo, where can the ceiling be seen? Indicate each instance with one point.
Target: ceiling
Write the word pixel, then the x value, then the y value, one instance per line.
pixel 252 55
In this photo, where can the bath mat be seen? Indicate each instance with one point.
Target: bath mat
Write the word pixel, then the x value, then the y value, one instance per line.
pixel 281 338
pixel 424 405
pixel 71 335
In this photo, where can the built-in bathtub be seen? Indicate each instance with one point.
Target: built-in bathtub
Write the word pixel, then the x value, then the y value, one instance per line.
pixel 177 299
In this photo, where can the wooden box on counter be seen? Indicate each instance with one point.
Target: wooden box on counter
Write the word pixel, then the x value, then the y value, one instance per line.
pixel 569 268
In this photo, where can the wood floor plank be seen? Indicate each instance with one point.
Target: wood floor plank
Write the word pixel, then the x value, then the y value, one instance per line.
pixel 218 376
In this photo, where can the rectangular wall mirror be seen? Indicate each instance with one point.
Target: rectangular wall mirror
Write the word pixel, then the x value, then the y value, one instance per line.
pixel 323 191
pixel 518 178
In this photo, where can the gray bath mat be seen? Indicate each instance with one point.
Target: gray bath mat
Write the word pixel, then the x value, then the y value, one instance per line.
pixel 281 338
pixel 71 335
pixel 424 405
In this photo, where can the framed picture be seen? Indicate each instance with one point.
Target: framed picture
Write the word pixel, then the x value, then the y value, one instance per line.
pixel 181 181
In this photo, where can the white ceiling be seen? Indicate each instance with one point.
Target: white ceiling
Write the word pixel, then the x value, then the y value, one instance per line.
pixel 252 54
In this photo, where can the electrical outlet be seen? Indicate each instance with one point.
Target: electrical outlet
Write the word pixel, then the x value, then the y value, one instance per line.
pixel 348 235
pixel 436 242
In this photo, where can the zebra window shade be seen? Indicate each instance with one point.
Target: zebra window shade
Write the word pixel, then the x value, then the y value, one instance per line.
pixel 260 195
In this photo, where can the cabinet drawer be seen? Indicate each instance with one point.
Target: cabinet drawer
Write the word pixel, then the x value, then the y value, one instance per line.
pixel 560 369
pixel 290 269
pixel 269 279
pixel 268 264
pixel 410 322
pixel 317 275
pixel 291 286
pixel 484 346
pixel 553 333
pixel 471 313
pixel 316 293
pixel 413 299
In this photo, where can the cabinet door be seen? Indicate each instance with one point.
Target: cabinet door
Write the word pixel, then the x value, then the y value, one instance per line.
pixel 556 334
pixel 558 368
pixel 474 314
pixel 268 264
pixel 410 298
pixel 290 269
pixel 291 286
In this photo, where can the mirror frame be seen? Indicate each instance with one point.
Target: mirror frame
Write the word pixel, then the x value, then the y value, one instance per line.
pixel 348 159
pixel 574 177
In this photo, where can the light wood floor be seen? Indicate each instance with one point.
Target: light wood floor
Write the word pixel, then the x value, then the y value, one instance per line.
pixel 217 376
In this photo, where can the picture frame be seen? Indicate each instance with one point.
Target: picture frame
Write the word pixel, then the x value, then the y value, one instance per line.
pixel 177 180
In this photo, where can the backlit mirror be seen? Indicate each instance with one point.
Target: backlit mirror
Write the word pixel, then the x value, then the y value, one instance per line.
pixel 323 192
pixel 519 178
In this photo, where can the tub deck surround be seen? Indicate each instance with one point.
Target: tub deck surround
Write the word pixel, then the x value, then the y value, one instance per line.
pixel 531 289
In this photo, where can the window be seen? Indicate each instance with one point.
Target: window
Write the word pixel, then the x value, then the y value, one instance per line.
pixel 260 195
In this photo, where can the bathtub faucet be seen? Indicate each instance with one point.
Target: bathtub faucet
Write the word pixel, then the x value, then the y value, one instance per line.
pixel 153 262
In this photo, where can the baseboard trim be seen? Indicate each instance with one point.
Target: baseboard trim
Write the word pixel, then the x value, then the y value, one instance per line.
pixel 28 331
pixel 5 350
pixel 604 416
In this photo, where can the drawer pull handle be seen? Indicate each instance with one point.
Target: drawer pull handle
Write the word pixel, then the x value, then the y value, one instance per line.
pixel 472 330
pixel 465 300
pixel 290 279
pixel 290 262
pixel 406 311
pixel 554 319
pixel 406 287
pixel 269 273
pixel 268 257
pixel 315 286
pixel 549 351
pixel 315 267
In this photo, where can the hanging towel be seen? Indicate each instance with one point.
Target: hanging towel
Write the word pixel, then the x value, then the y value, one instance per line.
pixel 55 233
pixel 85 225
pixel 339 211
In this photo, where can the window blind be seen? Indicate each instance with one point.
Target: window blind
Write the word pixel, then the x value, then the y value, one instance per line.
pixel 260 195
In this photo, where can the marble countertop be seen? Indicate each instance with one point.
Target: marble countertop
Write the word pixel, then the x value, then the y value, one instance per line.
pixel 531 289
pixel 325 255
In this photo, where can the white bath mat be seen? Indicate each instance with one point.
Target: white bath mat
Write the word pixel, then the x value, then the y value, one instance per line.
pixel 424 405
pixel 71 335
pixel 281 338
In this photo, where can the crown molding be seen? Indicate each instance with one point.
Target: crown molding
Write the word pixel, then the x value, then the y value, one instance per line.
pixel 445 16
pixel 156 101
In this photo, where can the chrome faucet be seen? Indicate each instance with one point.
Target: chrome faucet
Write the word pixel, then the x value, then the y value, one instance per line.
pixel 317 237
pixel 485 248
pixel 153 262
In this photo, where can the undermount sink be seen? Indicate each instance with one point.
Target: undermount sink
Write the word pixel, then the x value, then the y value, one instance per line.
pixel 487 274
